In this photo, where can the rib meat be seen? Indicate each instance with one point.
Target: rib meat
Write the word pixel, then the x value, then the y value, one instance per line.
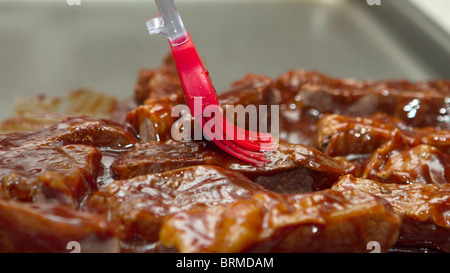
pixel 101 133
pixel 417 104
pixel 323 221
pixel 425 209
pixel 339 135
pixel 58 163
pixel 44 227
pixel 397 162
pixel 157 156
pixel 64 175
pixel 139 205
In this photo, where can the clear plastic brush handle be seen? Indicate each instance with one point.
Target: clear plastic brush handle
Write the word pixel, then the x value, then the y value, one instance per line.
pixel 168 23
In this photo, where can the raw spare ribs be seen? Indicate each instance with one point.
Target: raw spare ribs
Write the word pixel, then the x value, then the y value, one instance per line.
pixel 357 162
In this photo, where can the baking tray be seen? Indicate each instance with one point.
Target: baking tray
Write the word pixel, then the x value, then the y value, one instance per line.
pixel 49 47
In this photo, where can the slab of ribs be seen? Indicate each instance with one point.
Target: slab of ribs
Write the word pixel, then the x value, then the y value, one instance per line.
pixel 357 162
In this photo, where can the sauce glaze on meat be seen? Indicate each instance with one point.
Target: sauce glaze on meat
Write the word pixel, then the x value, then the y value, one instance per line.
pixel 358 161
